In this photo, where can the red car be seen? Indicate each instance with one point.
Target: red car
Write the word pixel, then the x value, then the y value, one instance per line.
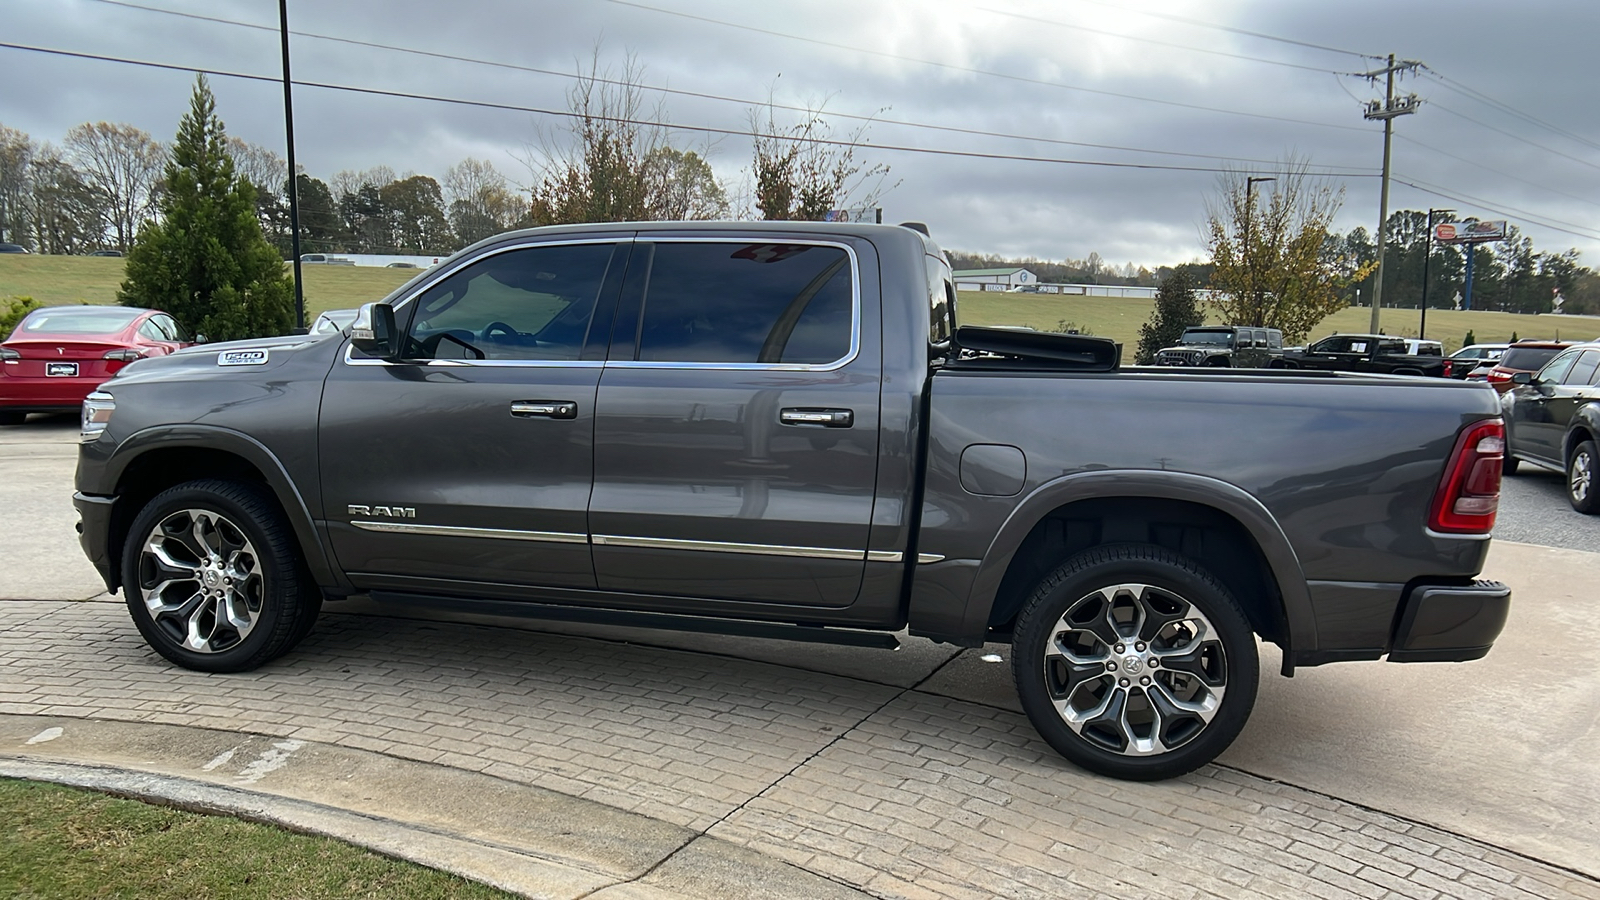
pixel 58 354
pixel 1523 356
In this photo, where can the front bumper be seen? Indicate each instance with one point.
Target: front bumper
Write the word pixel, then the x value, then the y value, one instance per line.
pixel 94 534
pixel 1450 624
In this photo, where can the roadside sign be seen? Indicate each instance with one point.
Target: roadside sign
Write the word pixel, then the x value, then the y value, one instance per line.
pixel 1469 232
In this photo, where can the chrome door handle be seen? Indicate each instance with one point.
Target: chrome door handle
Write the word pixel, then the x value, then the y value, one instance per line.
pixel 827 418
pixel 545 409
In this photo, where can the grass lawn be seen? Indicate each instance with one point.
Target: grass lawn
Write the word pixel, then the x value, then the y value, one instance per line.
pixel 57 280
pixel 1120 319
pixel 63 842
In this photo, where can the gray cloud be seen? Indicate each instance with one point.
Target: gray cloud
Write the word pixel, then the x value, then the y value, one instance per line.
pixel 1535 58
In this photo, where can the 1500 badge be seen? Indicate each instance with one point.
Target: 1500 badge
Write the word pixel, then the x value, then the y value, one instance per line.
pixel 242 358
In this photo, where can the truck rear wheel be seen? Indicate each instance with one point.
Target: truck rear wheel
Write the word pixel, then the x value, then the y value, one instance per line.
pixel 1134 662
pixel 213 578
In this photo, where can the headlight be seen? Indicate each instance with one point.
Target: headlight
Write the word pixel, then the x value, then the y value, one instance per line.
pixel 97 410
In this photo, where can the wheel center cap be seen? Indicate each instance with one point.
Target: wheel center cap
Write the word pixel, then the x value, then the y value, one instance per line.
pixel 211 576
pixel 1132 665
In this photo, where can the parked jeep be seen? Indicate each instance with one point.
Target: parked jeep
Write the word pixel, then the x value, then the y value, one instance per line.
pixel 1224 346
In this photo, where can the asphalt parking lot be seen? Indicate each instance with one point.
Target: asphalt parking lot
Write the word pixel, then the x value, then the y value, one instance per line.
pixel 900 775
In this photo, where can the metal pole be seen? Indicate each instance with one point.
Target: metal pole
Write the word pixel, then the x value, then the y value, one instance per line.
pixel 294 176
pixel 1427 256
pixel 1383 202
pixel 1466 300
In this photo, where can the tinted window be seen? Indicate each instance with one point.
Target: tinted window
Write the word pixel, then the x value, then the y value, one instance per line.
pixel 1528 358
pixel 523 304
pixel 747 303
pixel 1558 368
pixel 150 331
pixel 1275 339
pixel 1584 371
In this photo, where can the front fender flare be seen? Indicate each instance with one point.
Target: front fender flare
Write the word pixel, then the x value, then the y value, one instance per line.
pixel 226 440
pixel 1227 498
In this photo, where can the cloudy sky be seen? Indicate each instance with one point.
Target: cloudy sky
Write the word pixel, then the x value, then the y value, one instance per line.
pixel 1510 127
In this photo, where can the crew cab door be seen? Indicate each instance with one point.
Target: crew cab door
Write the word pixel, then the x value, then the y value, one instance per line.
pixel 470 459
pixel 1545 408
pixel 737 427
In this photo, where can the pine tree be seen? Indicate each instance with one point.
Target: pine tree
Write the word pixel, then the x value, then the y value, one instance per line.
pixel 205 260
pixel 1177 308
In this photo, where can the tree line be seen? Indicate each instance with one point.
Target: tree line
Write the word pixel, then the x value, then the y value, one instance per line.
pixel 106 180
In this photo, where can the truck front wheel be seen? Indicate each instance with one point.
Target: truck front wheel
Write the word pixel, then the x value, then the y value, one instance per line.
pixel 1134 662
pixel 213 578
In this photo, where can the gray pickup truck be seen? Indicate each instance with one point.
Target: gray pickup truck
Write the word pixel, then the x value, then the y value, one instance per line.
pixel 778 429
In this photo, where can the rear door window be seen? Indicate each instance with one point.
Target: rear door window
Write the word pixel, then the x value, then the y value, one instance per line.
pixel 1583 371
pixel 709 302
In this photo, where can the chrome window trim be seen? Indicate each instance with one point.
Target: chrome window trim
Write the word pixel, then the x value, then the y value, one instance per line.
pixel 644 543
pixel 349 349
pixel 841 362
pixel 888 556
pixel 509 534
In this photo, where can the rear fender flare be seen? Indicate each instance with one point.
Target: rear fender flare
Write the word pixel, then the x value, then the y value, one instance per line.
pixel 1227 498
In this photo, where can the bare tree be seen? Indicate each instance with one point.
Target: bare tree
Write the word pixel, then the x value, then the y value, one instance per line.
pixel 124 165
pixel 16 159
pixel 66 214
pixel 682 185
pixel 801 171
pixel 268 173
pixel 479 201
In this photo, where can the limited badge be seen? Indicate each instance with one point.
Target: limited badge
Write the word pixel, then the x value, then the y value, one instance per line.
pixel 242 358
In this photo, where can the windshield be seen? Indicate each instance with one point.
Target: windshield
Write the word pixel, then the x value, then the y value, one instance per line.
pixel 1207 338
pixel 79 320
pixel 1528 358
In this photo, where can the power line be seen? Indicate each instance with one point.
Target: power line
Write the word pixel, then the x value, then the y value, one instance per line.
pixel 485 104
pixel 1131 37
pixel 951 129
pixel 1514 136
pixel 1481 97
pixel 1123 8
pixel 975 71
pixel 1507 211
pixel 1473 162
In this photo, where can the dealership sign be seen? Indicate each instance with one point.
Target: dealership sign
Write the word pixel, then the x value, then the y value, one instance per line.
pixel 1469 232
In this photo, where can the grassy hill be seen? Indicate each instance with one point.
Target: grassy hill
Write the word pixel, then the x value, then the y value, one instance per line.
pixel 55 280
pixel 72 279
pixel 1120 319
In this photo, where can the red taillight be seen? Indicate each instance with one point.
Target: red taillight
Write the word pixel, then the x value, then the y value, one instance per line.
pixel 1499 374
pixel 1469 494
pixel 126 356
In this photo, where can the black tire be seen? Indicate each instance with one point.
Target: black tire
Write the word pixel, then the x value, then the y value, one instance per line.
pixel 254 570
pixel 1178 598
pixel 11 417
pixel 1583 491
pixel 1510 465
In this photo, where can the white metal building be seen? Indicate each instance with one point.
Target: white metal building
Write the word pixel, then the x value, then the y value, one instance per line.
pixel 993 279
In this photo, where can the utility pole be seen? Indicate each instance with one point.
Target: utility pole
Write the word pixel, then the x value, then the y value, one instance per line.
pixel 294 176
pixel 1427 256
pixel 1387 110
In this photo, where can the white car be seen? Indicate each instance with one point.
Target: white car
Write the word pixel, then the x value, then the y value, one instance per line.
pixel 1418 347
pixel 1473 356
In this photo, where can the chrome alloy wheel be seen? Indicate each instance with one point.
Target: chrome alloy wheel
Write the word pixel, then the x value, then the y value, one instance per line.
pixel 201 580
pixel 1135 669
pixel 1580 475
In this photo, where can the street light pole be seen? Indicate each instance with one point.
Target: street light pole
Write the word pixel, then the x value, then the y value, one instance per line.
pixel 294 177
pixel 1427 257
pixel 1249 254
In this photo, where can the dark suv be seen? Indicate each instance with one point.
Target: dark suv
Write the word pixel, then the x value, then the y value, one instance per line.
pixel 1553 419
pixel 1224 346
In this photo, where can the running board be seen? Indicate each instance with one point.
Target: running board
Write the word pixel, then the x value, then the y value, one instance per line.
pixel 814 634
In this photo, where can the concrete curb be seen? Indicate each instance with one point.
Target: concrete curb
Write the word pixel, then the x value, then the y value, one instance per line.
pixel 522 839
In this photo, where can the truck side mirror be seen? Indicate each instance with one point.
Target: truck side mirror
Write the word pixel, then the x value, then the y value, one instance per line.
pixel 374 332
